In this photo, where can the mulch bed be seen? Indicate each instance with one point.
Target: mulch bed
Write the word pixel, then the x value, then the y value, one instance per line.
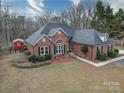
pixel 27 65
pixel 63 59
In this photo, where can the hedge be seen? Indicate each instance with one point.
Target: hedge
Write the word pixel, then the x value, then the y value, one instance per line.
pixel 101 56
pixel 116 50
pixel 35 58
pixel 48 56
pixel 112 54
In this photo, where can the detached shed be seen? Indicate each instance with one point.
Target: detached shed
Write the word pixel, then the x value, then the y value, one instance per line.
pixel 18 44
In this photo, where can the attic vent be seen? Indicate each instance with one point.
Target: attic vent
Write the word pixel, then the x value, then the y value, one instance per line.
pixel 59 32
pixel 103 37
pixel 44 39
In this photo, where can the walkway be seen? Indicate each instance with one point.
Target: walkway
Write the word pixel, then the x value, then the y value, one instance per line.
pixel 98 64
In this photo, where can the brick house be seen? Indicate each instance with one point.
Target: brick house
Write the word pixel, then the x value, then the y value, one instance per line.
pixel 57 39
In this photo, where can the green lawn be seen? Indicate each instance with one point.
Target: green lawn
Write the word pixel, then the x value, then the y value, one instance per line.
pixel 72 77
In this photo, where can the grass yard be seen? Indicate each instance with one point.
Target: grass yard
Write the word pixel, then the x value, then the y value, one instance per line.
pixel 72 77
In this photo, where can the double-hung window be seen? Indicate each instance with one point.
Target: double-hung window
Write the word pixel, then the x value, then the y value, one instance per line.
pixel 44 50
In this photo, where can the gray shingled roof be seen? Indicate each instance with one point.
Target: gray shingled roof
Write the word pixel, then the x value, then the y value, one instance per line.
pixel 54 26
pixel 89 37
pixel 52 31
pixel 48 30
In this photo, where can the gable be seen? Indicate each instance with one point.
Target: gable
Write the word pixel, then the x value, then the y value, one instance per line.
pixel 44 39
pixel 57 31
pixel 49 30
pixel 53 27
pixel 60 35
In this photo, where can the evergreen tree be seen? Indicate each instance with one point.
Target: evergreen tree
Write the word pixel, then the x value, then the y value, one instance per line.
pixel 108 19
pixel 99 16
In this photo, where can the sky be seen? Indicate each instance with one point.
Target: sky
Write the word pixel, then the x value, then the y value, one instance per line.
pixel 32 8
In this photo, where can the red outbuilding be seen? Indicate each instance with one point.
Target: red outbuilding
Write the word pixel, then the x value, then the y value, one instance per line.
pixel 18 44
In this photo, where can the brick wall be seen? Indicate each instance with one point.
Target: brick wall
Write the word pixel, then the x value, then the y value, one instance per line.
pixel 91 54
pixel 60 35
pixel 43 42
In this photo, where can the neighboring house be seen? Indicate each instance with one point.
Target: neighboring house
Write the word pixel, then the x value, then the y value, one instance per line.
pixel 57 38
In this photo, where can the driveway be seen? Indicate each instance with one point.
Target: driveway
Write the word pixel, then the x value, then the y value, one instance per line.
pixel 121 61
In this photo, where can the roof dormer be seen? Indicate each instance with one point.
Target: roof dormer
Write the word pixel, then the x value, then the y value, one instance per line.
pixel 103 37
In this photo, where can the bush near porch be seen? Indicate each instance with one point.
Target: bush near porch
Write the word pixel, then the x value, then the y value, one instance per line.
pixel 112 54
pixel 116 50
pixel 36 58
pixel 101 56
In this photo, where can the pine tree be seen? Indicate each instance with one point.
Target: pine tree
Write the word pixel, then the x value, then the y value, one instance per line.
pixel 98 21
pixel 108 19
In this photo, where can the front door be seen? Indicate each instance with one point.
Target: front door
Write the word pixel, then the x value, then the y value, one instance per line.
pixel 60 48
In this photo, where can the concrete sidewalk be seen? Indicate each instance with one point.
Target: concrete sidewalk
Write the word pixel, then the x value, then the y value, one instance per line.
pixel 121 51
pixel 98 64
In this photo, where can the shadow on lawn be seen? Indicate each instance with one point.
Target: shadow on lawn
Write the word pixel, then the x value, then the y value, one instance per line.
pixel 29 65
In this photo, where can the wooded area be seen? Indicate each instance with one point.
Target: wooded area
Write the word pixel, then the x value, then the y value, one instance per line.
pixel 100 17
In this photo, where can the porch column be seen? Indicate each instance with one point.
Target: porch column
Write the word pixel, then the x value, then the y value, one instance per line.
pixel 54 49
pixel 94 52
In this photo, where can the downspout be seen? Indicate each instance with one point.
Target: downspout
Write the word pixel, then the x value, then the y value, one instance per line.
pixel 38 53
pixel 91 52
pixel 33 50
pixel 70 44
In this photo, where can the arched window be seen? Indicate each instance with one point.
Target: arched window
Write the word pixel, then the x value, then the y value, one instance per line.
pixel 59 41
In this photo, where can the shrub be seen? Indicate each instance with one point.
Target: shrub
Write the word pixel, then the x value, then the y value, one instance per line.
pixel 101 56
pixel 84 49
pixel 48 56
pixel 112 54
pixel 116 50
pixel 40 58
pixel 33 58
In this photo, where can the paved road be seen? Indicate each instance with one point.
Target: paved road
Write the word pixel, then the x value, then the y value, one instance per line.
pixel 121 61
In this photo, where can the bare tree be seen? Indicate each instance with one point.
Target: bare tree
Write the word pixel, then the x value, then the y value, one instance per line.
pixel 78 17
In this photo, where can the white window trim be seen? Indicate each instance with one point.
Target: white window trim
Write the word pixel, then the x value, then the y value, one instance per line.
pixel 44 47
pixel 100 48
pixel 63 48
pixel 110 47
